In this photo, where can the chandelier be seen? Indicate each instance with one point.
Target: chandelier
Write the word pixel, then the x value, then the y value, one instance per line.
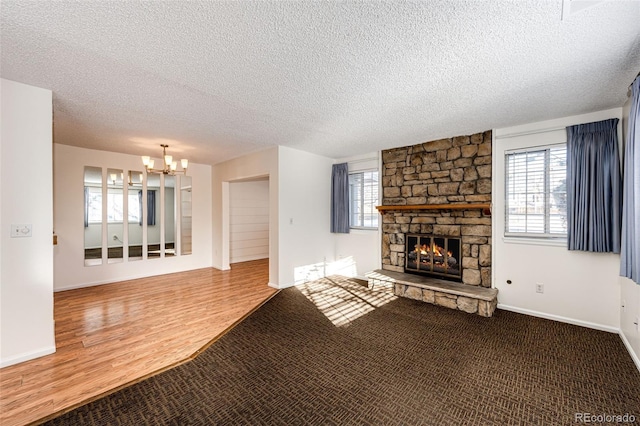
pixel 169 166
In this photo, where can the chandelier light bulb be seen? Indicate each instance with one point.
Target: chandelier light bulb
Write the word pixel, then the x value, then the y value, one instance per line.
pixel 169 167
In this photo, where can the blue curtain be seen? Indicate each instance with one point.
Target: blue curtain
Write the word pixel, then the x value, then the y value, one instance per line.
pixel 340 198
pixel 630 252
pixel 594 187
pixel 151 207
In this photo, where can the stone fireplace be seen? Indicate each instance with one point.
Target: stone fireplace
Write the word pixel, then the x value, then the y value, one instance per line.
pixel 436 221
pixel 440 188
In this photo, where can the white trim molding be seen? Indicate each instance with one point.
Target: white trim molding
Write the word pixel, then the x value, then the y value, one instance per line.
pixel 560 318
pixel 634 357
pixel 28 356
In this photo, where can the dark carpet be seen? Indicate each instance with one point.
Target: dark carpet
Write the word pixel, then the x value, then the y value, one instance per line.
pixel 400 362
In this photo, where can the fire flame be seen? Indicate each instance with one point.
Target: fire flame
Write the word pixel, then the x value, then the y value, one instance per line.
pixel 425 250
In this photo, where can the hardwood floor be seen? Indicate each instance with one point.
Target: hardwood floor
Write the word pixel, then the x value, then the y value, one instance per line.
pixel 111 335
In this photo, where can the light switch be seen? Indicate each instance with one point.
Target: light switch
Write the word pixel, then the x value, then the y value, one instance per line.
pixel 20 231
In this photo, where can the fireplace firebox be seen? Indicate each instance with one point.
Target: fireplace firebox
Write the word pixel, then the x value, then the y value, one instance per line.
pixel 435 256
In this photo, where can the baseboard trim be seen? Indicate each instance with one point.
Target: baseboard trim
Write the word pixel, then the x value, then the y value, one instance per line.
pixel 280 286
pixel 221 267
pixel 560 318
pixel 248 258
pixel 634 356
pixel 101 282
pixel 27 356
pixel 125 278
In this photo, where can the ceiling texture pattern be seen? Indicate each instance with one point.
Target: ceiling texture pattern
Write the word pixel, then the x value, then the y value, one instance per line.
pixel 217 80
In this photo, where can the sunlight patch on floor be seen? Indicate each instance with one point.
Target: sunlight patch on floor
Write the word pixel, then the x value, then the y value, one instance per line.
pixel 342 300
pixel 345 267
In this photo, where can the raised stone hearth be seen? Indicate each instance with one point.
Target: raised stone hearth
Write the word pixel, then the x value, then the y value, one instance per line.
pixel 470 299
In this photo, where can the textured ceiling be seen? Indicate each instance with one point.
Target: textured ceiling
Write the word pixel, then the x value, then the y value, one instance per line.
pixel 216 80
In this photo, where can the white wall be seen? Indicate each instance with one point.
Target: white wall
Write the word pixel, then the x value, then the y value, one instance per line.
pixel 257 165
pixel 629 291
pixel 26 264
pixel 299 205
pixel 361 246
pixel 630 314
pixel 69 269
pixel 579 287
pixel 249 220
pixel 305 214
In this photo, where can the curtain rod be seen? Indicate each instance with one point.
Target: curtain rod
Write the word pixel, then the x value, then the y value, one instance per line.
pixel 362 160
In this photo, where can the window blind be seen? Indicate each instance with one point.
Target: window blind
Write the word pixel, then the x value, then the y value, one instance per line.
pixel 536 192
pixel 363 197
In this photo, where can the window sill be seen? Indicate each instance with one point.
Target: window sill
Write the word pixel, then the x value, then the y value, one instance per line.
pixel 362 230
pixel 554 242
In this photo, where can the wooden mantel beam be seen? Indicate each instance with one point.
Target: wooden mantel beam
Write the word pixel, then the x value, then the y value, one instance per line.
pixel 486 207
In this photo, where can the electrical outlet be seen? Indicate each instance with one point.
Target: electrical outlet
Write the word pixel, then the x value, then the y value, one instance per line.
pixel 539 288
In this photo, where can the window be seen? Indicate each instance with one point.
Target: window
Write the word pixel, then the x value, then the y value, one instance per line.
pixel 363 198
pixel 134 207
pixel 114 205
pixel 94 204
pixel 536 192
